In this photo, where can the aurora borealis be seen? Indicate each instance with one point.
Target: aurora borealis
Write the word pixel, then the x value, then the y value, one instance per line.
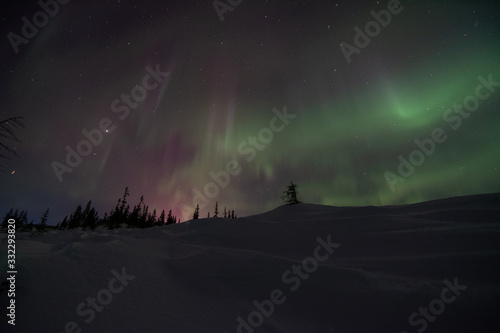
pixel 226 82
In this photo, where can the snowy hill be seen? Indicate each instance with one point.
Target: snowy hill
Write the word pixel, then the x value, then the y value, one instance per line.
pixel 306 268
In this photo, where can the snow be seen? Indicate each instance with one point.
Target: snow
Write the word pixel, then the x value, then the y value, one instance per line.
pixel 202 275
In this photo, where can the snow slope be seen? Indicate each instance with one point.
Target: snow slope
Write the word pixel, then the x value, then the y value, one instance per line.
pixel 387 264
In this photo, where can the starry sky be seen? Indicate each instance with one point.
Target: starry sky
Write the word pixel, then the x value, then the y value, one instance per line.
pixel 186 103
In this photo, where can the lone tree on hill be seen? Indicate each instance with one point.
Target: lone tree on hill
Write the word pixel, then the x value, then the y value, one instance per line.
pixel 290 195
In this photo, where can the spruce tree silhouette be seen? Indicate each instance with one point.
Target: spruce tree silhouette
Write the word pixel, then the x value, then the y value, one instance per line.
pixel 290 195
pixel 196 213
pixel 43 220
pixel 161 220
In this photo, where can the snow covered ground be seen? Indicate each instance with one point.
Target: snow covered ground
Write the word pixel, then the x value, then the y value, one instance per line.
pixel 429 267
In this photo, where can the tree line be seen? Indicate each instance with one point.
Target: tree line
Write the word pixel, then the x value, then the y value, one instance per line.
pixel 123 215
pixel 138 216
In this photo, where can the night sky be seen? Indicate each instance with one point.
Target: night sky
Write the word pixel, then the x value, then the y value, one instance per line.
pixel 173 97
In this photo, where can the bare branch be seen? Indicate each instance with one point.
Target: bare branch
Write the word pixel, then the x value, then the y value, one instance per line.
pixel 7 127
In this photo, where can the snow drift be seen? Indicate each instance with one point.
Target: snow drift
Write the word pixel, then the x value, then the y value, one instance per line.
pixel 305 268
